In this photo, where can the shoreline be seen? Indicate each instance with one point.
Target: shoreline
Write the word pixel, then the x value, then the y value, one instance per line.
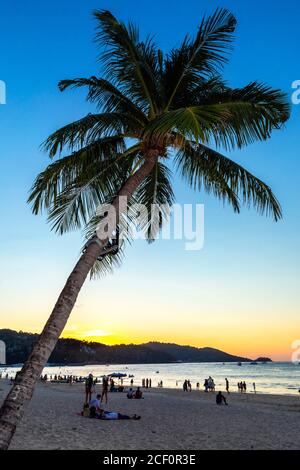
pixel 179 389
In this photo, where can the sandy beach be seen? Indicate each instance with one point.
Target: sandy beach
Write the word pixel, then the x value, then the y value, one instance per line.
pixel 171 419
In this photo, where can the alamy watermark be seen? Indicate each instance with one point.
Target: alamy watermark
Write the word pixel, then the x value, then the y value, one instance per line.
pixel 2 352
pixel 2 92
pixel 296 93
pixel 296 353
pixel 180 222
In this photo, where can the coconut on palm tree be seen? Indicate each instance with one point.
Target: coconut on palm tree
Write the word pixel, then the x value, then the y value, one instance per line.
pixel 156 112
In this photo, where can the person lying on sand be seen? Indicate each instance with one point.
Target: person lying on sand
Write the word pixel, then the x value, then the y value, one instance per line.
pixel 220 399
pixel 110 415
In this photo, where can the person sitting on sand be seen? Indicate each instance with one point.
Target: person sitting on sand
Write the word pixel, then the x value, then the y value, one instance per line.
pixel 95 402
pixel 130 394
pixel 220 399
pixel 138 394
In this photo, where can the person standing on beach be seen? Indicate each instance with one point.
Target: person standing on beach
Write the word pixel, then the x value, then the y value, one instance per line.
pixel 150 383
pixel 227 385
pixel 104 389
pixel 88 388
pixel 254 387
pixel 244 386
pixel 185 386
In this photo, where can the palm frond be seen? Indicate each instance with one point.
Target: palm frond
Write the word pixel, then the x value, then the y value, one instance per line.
pixel 88 129
pixel 199 57
pixel 156 195
pixel 129 63
pixel 58 176
pixel 205 167
pixel 107 97
pixel 246 114
pixel 107 265
pixel 99 184
pixel 229 118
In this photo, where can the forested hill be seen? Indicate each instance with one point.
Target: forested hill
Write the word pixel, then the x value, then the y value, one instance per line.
pixel 71 351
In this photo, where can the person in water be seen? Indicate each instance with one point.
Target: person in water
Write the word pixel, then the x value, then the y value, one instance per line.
pixel 220 399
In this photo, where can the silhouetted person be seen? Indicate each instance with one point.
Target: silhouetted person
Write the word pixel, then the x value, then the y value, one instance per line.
pixel 227 385
pixel 88 388
pixel 104 389
pixel 220 399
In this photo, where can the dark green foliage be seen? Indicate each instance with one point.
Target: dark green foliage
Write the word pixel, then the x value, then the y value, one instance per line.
pixel 176 102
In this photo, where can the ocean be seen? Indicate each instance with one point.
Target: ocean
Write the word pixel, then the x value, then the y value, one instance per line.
pixel 276 377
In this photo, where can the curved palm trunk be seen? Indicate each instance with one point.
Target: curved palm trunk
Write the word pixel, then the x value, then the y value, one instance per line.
pixel 20 394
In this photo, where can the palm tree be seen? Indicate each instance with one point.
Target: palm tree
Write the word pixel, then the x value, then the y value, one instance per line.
pixel 154 109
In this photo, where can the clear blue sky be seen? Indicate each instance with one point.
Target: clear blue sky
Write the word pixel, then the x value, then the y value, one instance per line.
pixel 240 292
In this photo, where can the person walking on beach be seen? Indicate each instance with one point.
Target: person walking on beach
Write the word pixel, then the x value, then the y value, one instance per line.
pixel 189 385
pixel 185 386
pixel 254 387
pixel 227 385
pixel 104 389
pixel 88 388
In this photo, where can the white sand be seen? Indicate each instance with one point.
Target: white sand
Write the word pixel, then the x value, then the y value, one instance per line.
pixel 171 419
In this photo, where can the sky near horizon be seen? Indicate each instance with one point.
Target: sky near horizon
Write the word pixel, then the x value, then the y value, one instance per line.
pixel 240 293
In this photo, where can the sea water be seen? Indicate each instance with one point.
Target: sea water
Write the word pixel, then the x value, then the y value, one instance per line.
pixel 275 377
